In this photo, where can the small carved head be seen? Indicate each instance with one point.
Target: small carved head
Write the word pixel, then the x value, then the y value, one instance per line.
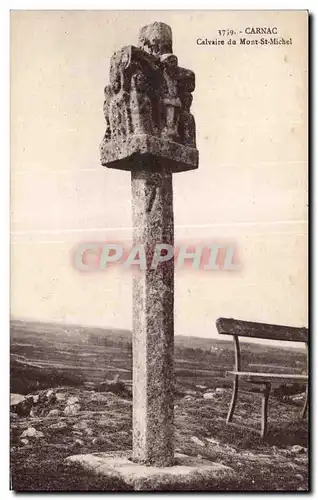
pixel 156 39
pixel 107 92
pixel 139 81
pixel 170 61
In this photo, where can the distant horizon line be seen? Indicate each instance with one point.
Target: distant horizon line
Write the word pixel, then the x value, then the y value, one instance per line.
pixel 179 226
pixel 222 338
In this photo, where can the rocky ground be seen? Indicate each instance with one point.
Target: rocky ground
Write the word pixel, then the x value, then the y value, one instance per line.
pixel 49 425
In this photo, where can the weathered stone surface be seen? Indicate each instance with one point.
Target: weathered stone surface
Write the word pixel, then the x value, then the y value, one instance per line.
pixel 59 426
pixel 72 409
pixel 54 413
pixel 296 448
pixel 151 132
pixel 197 441
pixel 153 294
pixel 208 395
pixel 72 400
pixel 81 425
pixel 149 95
pixel 16 399
pixel 145 151
pixel 23 407
pixel 31 432
pixel 187 473
pixel 60 396
pixel 156 39
pixel 79 442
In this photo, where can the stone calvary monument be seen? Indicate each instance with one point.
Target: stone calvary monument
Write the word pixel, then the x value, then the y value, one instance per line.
pixel 149 126
pixel 150 132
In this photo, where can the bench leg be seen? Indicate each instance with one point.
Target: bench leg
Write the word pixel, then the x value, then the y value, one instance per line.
pixel 265 397
pixel 303 413
pixel 233 400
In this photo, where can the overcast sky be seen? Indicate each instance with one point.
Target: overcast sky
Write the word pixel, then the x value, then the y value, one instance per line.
pixel 250 188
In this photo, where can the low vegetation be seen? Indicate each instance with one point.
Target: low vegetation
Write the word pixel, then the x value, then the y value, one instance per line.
pixel 76 384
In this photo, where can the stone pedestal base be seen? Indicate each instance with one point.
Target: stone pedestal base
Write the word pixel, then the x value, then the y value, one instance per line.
pixel 188 473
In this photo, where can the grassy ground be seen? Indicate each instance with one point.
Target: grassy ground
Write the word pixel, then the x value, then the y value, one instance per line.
pixel 103 424
pixel 76 361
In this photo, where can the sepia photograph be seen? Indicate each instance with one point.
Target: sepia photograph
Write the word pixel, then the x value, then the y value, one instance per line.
pixel 159 251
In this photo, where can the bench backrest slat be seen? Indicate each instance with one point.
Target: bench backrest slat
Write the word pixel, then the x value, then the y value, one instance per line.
pixel 230 326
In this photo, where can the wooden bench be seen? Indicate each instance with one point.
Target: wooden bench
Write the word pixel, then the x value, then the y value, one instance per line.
pixel 262 381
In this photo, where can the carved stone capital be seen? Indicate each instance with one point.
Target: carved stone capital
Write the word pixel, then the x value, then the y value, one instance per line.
pixel 147 106
pixel 136 152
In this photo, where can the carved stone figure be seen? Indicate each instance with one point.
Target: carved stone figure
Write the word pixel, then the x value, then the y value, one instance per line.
pixel 140 104
pixel 119 115
pixel 171 101
pixel 148 100
pixel 107 100
pixel 187 122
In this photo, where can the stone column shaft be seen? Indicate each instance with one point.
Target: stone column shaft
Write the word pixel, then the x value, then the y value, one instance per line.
pixel 150 131
pixel 153 345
